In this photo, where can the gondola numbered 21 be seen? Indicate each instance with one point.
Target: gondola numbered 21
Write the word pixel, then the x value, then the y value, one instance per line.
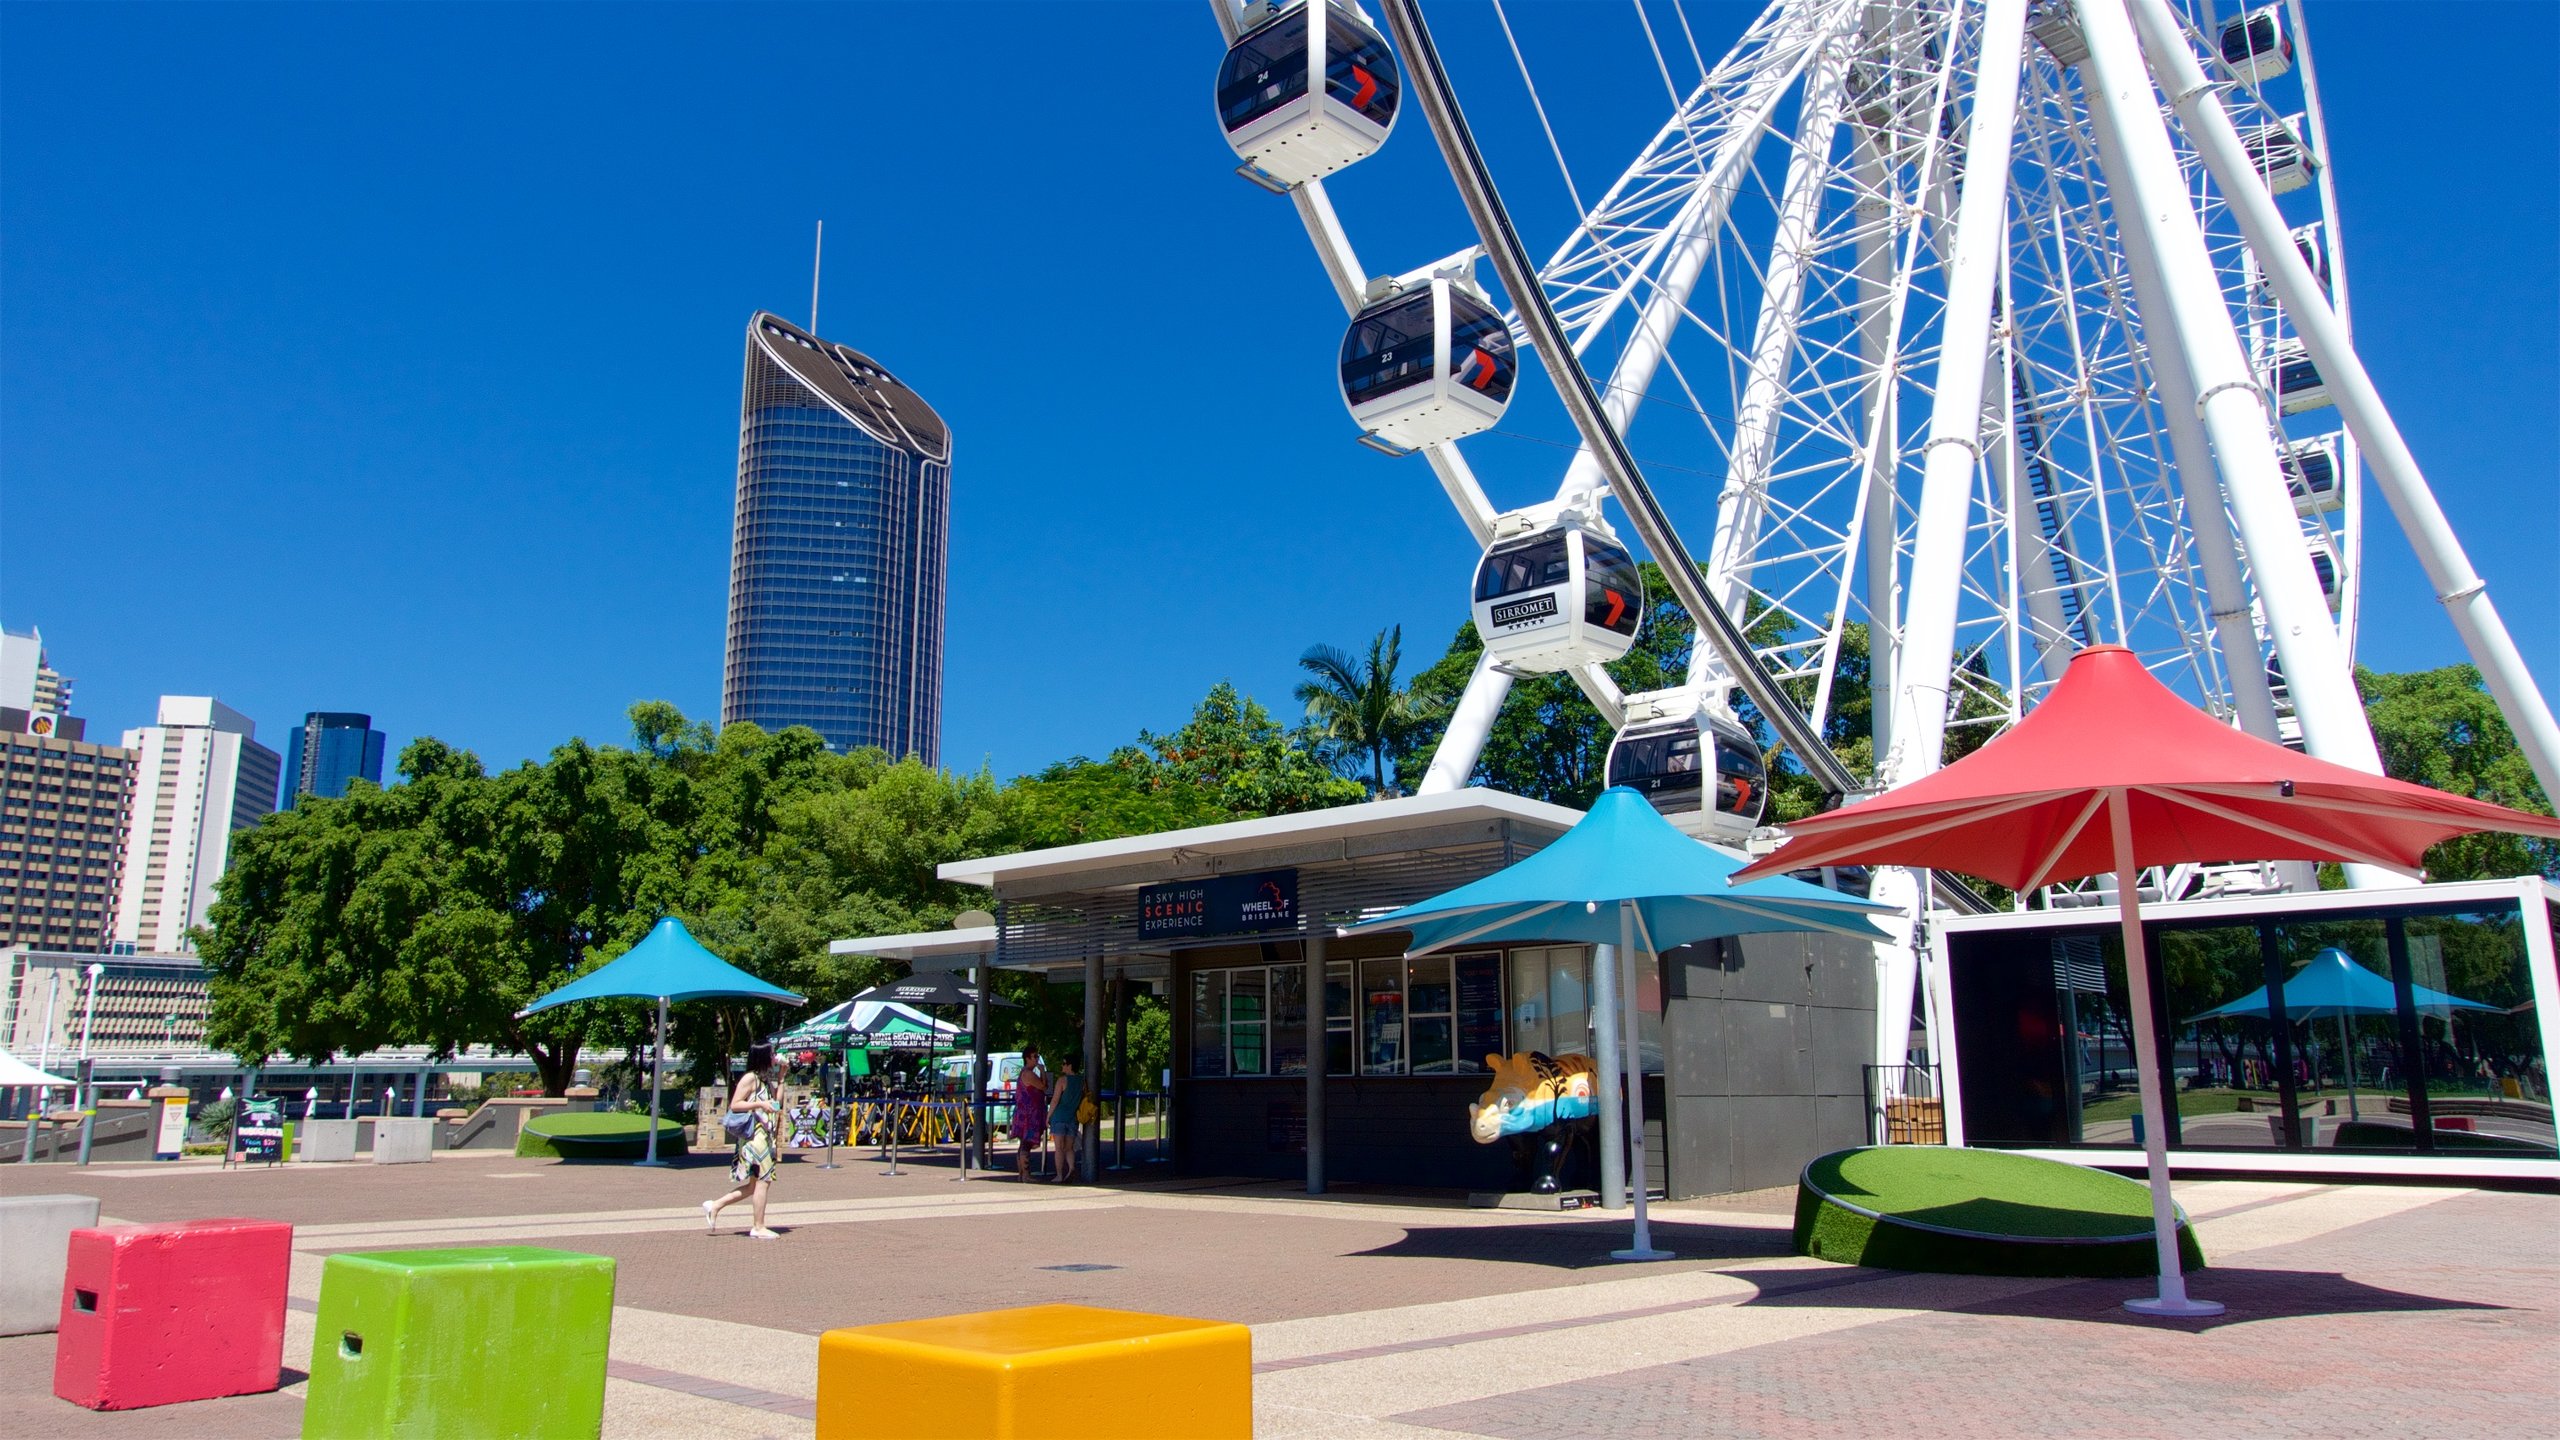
pixel 1693 762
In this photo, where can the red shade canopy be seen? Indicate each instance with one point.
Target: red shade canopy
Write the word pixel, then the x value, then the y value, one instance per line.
pixel 2029 808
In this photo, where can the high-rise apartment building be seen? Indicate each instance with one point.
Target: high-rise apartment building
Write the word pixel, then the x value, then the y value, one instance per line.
pixel 199 776
pixel 62 827
pixel 31 686
pixel 328 749
pixel 837 551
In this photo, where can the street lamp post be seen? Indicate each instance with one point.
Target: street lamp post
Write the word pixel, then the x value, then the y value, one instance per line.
pixel 88 1090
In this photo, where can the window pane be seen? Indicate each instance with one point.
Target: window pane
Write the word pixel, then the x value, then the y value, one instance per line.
pixel 1339 1051
pixel 2479 1036
pixel 1382 1017
pixel 2224 1046
pixel 1245 1014
pixel 1569 1000
pixel 1208 1028
pixel 1529 1001
pixel 2343 1016
pixel 1288 1019
pixel 1434 1046
pixel 1428 985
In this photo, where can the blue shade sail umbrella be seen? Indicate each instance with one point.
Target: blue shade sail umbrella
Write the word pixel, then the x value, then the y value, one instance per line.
pixel 1623 876
pixel 667 965
pixel 2333 987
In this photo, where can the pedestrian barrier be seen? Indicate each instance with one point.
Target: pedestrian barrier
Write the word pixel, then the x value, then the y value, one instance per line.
pixel 459 1344
pixel 404 1142
pixel 328 1141
pixel 184 1310
pixel 1054 1372
pixel 35 1236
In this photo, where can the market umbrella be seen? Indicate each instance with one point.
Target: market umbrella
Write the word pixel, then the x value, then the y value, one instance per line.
pixel 15 1073
pixel 667 965
pixel 2333 986
pixel 1622 875
pixel 2113 773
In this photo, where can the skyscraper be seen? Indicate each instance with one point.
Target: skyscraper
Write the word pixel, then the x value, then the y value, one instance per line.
pixel 328 749
pixel 198 776
pixel 837 551
pixel 62 825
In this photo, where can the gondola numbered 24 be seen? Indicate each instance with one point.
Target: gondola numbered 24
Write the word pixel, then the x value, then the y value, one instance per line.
pixel 1298 101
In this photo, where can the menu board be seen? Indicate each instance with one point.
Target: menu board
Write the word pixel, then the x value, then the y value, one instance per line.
pixel 1479 1009
pixel 261 1131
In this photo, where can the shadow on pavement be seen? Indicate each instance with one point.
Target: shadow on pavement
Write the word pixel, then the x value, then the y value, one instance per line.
pixel 2251 1295
pixel 1581 1245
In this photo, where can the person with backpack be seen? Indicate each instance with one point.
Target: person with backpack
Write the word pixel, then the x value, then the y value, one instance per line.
pixel 754 1124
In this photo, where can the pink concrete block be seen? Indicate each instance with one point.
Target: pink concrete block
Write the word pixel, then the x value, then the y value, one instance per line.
pixel 157 1314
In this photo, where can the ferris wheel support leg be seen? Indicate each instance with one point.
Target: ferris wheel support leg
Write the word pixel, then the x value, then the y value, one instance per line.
pixel 1470 725
pixel 2458 586
pixel 1954 448
pixel 2235 409
pixel 1878 518
pixel 2217 550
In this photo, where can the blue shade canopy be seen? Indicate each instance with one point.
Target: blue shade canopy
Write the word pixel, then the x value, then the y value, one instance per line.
pixel 1623 851
pixel 2333 985
pixel 668 964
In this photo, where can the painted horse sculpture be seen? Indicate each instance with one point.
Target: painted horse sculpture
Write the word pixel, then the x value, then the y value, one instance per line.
pixel 1543 1105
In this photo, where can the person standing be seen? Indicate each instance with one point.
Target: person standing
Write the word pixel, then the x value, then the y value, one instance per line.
pixel 1065 1098
pixel 759 1148
pixel 1030 1111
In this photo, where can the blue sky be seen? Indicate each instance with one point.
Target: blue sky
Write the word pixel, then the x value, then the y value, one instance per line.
pixel 386 358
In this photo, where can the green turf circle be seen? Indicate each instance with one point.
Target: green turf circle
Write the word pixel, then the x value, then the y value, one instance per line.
pixel 1976 1212
pixel 595 1135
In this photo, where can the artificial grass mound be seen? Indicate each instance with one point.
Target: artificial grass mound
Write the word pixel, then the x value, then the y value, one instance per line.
pixel 1977 1212
pixel 596 1135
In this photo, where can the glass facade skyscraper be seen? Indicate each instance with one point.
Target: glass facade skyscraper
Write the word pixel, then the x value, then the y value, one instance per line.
pixel 837 551
pixel 328 749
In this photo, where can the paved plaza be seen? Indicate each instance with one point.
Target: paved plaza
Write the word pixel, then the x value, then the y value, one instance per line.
pixel 2354 1310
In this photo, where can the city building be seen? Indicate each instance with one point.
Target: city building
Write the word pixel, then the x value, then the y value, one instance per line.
pixel 198 776
pixel 837 551
pixel 30 686
pixel 63 805
pixel 328 749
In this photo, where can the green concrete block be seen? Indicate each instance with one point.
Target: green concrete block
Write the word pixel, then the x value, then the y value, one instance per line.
pixel 460 1344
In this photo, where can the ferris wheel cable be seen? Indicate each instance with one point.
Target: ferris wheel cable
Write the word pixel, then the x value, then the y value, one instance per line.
pixel 1644 22
pixel 1691 36
pixel 1581 212
pixel 1582 401
pixel 2458 586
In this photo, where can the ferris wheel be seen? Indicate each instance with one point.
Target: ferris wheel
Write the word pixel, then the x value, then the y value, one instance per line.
pixel 1953 349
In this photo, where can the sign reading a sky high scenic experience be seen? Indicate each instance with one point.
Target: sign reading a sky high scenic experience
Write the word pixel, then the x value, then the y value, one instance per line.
pixel 1252 904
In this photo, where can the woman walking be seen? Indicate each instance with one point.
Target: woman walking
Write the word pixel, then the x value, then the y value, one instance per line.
pixel 1030 1112
pixel 1065 1098
pixel 759 1148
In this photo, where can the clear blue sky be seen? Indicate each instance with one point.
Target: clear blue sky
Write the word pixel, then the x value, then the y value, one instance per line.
pixel 386 358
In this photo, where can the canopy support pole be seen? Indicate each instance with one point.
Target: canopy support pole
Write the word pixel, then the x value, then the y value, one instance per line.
pixel 1633 1053
pixel 1312 949
pixel 657 1081
pixel 2172 1301
pixel 1604 1039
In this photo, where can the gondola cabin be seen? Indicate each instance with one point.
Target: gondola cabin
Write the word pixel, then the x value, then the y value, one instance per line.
pixel 1306 92
pixel 1692 762
pixel 2255 46
pixel 2311 473
pixel 2294 379
pixel 2283 158
pixel 1426 364
pixel 2314 250
pixel 1555 594
pixel 2324 563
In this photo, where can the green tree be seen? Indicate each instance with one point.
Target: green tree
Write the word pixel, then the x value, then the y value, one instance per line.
pixel 1232 749
pixel 1355 704
pixel 2441 728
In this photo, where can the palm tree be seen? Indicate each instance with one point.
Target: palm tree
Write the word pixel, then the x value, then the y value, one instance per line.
pixel 1356 704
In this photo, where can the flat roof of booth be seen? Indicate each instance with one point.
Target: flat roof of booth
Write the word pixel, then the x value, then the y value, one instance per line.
pixel 1345 832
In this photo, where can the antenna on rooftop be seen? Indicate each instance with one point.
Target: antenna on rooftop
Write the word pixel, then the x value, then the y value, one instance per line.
pixel 817 257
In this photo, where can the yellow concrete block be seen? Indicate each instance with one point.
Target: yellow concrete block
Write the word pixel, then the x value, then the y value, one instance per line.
pixel 1044 1372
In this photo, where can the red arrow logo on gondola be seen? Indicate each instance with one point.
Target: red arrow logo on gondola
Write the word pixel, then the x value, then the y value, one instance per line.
pixel 1617 608
pixel 1478 372
pixel 1368 90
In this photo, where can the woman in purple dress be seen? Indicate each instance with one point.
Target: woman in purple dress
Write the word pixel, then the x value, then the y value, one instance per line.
pixel 1030 1111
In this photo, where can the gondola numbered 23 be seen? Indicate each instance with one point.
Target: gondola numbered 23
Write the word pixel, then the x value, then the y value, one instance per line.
pixel 1428 360
pixel 1556 592
pixel 1298 101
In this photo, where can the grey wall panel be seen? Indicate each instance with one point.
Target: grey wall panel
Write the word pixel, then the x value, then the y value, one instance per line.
pixel 1774 1135
pixel 1840 1041
pixel 1769 1048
